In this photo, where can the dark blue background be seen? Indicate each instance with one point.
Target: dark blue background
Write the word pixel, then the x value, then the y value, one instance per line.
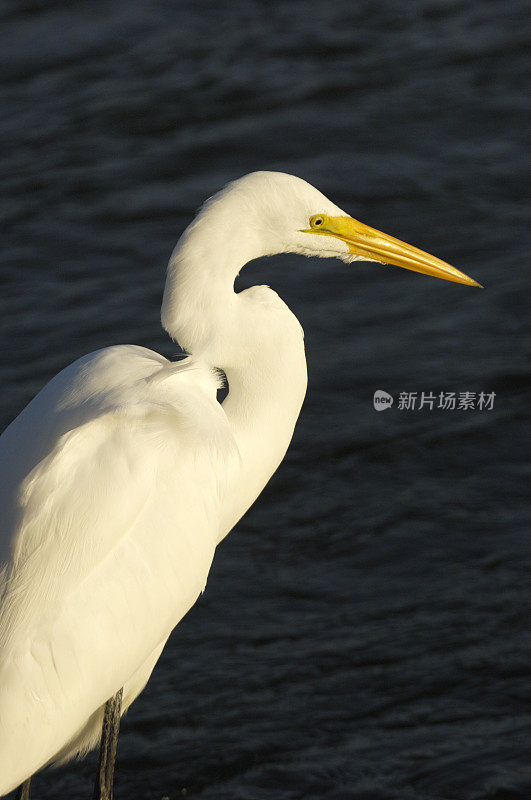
pixel 364 633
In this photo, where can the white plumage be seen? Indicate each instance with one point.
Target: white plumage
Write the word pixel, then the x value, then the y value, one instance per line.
pixel 116 523
pixel 119 479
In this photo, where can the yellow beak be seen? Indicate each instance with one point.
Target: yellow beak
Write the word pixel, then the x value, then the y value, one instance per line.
pixel 377 246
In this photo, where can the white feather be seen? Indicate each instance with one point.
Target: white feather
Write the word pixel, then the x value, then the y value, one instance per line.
pixel 114 531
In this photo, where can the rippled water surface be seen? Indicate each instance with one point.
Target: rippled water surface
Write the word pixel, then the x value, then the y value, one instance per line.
pixel 364 633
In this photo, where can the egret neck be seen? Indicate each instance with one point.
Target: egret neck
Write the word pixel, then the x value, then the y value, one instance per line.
pixel 252 336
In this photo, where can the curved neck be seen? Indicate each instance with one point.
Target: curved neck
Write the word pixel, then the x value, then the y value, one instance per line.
pixel 256 340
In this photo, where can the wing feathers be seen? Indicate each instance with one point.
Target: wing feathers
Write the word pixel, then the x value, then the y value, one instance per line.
pixel 111 536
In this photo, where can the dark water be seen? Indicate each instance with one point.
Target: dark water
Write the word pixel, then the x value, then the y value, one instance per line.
pixel 364 633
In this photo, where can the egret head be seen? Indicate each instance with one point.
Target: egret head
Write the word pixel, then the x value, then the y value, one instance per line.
pixel 271 212
pixel 262 214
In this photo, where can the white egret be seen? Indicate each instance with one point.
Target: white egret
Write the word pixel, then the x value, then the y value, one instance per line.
pixel 123 474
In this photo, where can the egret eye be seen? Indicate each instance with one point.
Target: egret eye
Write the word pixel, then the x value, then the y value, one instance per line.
pixel 317 221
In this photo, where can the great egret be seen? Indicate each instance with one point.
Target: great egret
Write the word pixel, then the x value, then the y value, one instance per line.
pixel 122 475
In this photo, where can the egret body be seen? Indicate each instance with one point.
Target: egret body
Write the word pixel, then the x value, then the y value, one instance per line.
pixel 123 474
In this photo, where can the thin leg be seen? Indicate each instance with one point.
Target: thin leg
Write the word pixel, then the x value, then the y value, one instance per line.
pixel 23 791
pixel 109 740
